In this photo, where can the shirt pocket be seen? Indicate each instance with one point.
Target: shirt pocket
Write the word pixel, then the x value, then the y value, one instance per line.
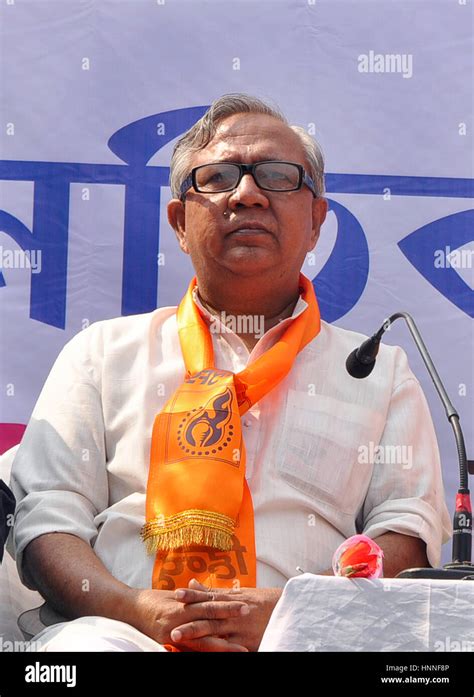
pixel 319 449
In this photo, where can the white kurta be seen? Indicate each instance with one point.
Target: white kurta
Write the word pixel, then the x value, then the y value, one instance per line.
pixel 314 470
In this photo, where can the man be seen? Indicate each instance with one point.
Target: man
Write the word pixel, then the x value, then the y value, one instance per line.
pixel 251 467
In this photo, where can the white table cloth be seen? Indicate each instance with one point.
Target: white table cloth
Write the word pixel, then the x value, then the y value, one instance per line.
pixel 324 613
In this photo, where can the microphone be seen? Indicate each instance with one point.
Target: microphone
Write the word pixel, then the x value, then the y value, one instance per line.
pixel 361 361
pixel 360 364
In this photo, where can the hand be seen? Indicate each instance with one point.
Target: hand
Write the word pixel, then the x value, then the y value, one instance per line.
pixel 156 613
pixel 244 630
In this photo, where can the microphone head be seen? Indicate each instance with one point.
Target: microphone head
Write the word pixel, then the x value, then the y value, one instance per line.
pixel 357 368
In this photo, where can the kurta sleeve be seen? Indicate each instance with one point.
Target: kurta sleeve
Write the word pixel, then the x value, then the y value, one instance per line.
pixel 406 493
pixel 59 473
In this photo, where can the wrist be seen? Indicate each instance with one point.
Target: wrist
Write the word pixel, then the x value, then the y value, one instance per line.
pixel 274 596
pixel 124 605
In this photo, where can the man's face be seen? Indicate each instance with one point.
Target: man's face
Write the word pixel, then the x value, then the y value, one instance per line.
pixel 212 228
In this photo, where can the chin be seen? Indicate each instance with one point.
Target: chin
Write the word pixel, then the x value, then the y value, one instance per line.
pixel 248 270
pixel 250 264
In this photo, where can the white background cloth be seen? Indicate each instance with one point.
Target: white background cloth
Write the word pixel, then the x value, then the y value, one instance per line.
pixel 324 613
pixel 83 463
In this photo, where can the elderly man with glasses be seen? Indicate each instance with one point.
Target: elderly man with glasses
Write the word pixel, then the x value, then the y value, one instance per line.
pixel 179 467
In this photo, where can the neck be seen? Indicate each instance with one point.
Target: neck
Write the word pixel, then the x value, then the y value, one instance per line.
pixel 249 314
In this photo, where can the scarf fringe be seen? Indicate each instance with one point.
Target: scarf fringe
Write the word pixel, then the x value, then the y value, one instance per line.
pixel 192 527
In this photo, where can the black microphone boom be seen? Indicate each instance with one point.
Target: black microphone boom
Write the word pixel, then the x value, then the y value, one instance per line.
pixel 360 364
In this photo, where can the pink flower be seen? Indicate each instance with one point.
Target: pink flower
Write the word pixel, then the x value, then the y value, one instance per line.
pixel 358 557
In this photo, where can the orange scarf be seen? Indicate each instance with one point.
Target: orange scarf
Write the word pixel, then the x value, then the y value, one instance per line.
pixel 199 512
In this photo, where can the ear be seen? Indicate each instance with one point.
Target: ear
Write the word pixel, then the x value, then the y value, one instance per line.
pixel 320 209
pixel 177 219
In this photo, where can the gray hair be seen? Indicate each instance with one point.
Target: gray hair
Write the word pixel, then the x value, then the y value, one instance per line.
pixel 204 130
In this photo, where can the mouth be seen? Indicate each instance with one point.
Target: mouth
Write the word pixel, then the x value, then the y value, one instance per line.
pixel 249 229
pixel 252 232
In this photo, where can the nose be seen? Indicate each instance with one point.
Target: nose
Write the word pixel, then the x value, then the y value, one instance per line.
pixel 247 194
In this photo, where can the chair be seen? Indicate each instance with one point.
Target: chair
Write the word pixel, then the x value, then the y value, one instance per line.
pixel 16 598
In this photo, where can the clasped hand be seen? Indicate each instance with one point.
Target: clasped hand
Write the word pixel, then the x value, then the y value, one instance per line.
pixel 222 619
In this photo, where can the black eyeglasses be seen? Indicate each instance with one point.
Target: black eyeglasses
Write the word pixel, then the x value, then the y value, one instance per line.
pixel 271 175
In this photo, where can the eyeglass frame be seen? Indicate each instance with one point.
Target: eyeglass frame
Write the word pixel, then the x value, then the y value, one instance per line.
pixel 304 177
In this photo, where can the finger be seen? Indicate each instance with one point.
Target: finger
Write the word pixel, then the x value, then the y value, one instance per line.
pixel 188 595
pixel 194 583
pixel 214 644
pixel 197 630
pixel 220 610
pixel 185 595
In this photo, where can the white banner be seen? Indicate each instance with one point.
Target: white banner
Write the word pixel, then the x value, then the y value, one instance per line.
pixel 93 94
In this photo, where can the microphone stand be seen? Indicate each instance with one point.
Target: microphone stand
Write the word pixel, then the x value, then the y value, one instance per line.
pixel 359 364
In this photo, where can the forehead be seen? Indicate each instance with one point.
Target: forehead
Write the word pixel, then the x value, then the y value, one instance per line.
pixel 250 138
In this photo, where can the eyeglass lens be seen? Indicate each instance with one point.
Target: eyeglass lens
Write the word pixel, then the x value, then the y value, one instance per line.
pixel 277 176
